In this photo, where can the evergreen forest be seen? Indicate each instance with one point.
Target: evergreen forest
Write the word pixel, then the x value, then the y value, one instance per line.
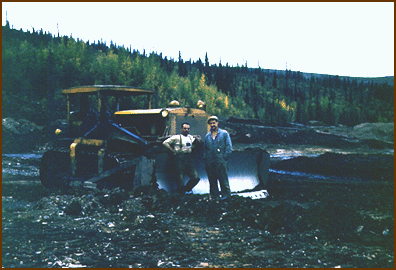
pixel 37 65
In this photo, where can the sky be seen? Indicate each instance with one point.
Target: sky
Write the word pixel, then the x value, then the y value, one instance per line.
pixel 353 39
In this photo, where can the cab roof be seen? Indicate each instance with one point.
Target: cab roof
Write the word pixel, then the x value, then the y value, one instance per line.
pixel 179 110
pixel 109 90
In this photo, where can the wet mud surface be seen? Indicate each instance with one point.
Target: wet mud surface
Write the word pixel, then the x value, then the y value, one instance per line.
pixel 333 221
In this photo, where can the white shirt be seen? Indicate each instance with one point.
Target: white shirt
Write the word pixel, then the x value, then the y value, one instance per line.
pixel 180 143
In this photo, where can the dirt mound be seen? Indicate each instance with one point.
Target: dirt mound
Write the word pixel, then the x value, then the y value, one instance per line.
pixel 20 135
pixel 366 131
pixel 370 167
pixel 378 131
pixel 377 136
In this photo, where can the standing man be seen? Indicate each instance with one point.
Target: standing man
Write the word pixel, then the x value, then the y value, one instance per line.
pixel 181 146
pixel 217 149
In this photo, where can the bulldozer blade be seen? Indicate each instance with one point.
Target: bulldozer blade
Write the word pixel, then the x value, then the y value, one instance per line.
pixel 248 169
pixel 91 183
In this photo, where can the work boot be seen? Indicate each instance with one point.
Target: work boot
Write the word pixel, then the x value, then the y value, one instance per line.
pixel 191 184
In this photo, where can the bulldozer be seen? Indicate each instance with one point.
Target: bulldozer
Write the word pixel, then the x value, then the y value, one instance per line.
pixel 108 141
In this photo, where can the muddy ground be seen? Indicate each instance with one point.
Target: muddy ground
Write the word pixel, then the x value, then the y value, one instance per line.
pixel 326 217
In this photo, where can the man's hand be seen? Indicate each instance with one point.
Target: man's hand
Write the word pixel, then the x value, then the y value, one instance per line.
pixel 198 138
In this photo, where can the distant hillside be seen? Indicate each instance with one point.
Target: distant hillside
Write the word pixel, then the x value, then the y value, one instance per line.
pixel 380 80
pixel 37 66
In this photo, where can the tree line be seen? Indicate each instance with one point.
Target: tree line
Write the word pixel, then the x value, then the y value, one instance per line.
pixel 38 65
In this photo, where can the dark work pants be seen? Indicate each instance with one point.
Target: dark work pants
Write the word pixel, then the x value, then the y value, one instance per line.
pixel 218 171
pixel 184 164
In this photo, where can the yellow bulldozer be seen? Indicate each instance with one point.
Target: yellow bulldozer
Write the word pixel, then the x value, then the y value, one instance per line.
pixel 106 141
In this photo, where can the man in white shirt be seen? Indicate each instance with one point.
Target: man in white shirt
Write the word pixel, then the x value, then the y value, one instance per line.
pixel 181 146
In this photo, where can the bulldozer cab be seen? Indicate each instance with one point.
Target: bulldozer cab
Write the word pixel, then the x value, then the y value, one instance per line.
pixel 86 105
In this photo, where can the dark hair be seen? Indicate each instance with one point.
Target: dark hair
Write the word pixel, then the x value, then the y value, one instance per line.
pixel 185 123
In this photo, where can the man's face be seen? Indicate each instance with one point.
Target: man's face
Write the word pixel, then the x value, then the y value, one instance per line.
pixel 213 125
pixel 185 130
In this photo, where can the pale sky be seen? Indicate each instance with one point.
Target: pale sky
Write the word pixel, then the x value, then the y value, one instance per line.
pixel 336 38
